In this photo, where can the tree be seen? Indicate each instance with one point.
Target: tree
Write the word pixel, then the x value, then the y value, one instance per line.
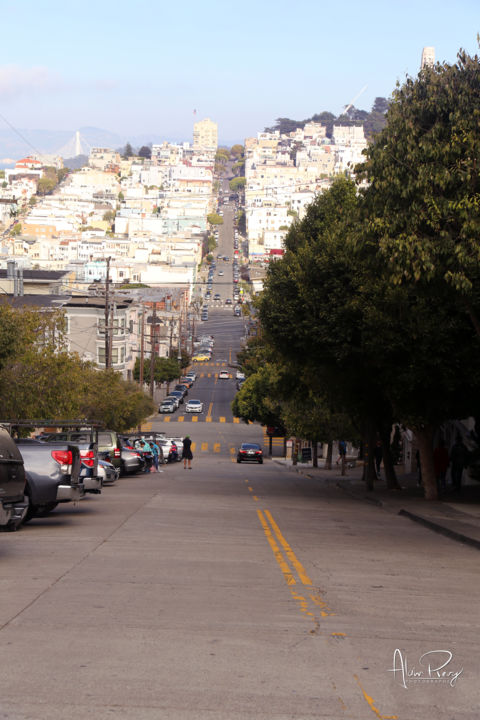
pixel 45 185
pixel 16 230
pixel 109 216
pixel 424 220
pixel 145 152
pixel 380 105
pixel 127 151
pixel 237 183
pixel 214 219
pixel 313 307
pixel 237 151
pixel 424 179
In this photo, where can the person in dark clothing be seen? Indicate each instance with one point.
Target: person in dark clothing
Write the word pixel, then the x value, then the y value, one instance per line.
pixel 459 461
pixel 187 452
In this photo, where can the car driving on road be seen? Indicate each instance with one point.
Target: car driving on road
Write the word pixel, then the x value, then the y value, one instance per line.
pixel 194 406
pixel 250 452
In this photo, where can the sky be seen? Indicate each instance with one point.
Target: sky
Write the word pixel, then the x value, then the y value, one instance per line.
pixel 146 67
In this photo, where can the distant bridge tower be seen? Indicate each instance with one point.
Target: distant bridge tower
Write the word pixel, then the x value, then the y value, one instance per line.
pixel 77 145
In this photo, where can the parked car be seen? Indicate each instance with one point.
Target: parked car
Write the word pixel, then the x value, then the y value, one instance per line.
pixel 174 399
pixel 186 380
pixel 167 406
pixel 107 472
pixel 132 461
pixel 194 406
pixel 192 374
pixel 240 375
pixel 169 449
pixel 178 394
pixel 182 388
pixel 89 455
pixel 179 445
pixel 250 452
pixel 13 501
pixel 53 474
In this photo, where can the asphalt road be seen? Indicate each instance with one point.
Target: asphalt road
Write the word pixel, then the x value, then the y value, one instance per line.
pixel 232 591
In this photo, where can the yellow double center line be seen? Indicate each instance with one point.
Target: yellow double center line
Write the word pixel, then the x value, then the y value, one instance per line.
pixel 302 574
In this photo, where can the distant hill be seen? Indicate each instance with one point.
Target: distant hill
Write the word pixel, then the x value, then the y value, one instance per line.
pixel 373 121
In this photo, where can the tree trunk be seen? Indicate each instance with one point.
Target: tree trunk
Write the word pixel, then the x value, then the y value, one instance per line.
pixel 344 465
pixel 388 466
pixel 369 474
pixel 328 459
pixel 424 437
pixel 295 451
pixel 315 454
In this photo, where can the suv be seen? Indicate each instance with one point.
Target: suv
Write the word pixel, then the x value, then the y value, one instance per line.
pixel 13 502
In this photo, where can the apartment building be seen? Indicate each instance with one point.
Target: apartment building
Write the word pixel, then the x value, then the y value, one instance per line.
pixel 205 135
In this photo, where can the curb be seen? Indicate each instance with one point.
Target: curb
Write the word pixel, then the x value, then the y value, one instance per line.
pixel 441 530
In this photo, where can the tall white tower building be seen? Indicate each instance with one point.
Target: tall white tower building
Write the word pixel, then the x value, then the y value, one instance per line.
pixel 428 57
pixel 205 135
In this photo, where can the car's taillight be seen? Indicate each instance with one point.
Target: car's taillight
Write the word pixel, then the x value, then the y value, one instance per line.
pixel 62 457
pixel 116 453
pixel 88 457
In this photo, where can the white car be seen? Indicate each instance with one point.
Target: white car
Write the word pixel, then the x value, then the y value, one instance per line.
pixel 194 406
pixel 224 375
pixel 240 375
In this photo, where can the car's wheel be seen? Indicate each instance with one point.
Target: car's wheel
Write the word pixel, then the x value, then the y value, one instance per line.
pixel 260 462
pixel 238 460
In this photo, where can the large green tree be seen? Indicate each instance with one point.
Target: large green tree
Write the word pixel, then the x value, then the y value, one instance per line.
pixel 423 179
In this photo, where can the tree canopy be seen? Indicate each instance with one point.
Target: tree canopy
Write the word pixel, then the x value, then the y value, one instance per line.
pixel 40 378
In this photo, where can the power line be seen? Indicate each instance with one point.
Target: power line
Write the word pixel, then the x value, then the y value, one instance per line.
pixel 17 132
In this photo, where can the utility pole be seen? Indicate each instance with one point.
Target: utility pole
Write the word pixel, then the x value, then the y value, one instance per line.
pixel 152 354
pixel 142 345
pixel 107 318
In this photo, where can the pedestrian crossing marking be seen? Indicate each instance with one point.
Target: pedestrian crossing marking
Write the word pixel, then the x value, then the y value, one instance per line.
pixel 180 418
pixel 232 451
pixel 222 419
pixel 195 418
pixel 194 446
pixel 208 418
pixel 204 446
pixel 167 419
pixel 216 447
pixel 236 420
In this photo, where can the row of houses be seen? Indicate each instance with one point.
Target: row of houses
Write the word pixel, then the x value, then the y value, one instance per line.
pixel 284 173
pixel 163 317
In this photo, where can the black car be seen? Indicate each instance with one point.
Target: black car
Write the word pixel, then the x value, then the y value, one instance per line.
pixel 250 452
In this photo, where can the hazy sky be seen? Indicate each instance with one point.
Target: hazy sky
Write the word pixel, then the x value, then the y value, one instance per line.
pixel 143 67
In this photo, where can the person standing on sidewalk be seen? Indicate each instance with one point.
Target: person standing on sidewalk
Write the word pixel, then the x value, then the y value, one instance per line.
pixel 459 461
pixel 187 452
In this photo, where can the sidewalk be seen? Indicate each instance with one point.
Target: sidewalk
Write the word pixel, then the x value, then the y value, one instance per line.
pixel 455 516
